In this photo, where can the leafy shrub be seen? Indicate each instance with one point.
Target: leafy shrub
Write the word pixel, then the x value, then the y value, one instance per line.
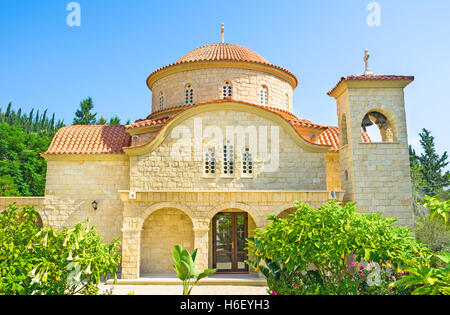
pixel 428 280
pixel 43 261
pixel 185 268
pixel 314 249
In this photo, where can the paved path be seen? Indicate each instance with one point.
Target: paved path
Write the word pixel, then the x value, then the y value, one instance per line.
pixel 178 289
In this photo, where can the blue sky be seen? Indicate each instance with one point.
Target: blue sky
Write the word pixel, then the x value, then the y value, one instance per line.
pixel 44 63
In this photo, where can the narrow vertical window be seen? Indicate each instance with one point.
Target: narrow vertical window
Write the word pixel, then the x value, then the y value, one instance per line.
pixel 247 163
pixel 189 93
pixel 161 101
pixel 210 162
pixel 286 102
pixel 228 159
pixel 264 93
pixel 227 91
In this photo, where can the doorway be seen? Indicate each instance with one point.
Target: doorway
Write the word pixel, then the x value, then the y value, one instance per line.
pixel 230 231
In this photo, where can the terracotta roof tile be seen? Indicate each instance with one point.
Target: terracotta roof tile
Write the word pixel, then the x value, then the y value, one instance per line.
pixel 372 78
pixel 148 122
pixel 223 52
pixel 331 137
pixel 90 140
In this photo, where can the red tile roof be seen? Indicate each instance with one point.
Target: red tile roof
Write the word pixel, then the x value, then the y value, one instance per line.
pixel 223 52
pixel 90 140
pixel 372 78
pixel 331 137
pixel 112 139
pixel 148 122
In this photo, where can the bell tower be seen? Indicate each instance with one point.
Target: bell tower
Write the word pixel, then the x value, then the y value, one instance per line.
pixel 375 172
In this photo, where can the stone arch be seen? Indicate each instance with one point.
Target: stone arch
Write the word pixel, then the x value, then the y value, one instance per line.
pixel 161 231
pixel 285 209
pixel 226 206
pixel 143 215
pixel 381 119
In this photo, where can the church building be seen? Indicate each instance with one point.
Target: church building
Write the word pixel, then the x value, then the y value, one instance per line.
pixel 220 151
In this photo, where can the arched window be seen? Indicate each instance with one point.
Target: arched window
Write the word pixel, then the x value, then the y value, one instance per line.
pixel 376 127
pixel 286 101
pixel 264 95
pixel 161 101
pixel 210 162
pixel 189 93
pixel 247 163
pixel 228 159
pixel 227 91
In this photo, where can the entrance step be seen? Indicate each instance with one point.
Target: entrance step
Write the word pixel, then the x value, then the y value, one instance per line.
pixel 169 279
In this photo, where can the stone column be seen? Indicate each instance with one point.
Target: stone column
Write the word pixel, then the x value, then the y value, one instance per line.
pixel 201 242
pixel 131 257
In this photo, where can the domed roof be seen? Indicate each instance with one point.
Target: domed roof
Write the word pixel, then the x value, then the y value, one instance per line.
pixel 222 51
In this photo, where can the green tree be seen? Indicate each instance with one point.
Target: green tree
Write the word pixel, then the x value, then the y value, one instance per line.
pixel 102 121
pixel 114 121
pixel 22 169
pixel 428 168
pixel 84 116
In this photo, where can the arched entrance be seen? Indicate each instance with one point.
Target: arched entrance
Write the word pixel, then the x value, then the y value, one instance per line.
pixel 229 232
pixel 162 230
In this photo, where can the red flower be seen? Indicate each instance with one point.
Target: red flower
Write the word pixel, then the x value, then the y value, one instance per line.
pixel 274 292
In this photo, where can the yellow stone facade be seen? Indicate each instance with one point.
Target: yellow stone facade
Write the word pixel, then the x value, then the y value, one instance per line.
pixel 152 200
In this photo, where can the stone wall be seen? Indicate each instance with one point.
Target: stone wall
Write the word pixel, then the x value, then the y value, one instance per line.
pixel 72 185
pixel 208 86
pixel 333 172
pixel 159 170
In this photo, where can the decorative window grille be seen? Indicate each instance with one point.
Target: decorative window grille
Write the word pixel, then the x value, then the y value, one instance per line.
pixel 228 159
pixel 210 162
pixel 227 91
pixel 189 91
pixel 161 101
pixel 264 95
pixel 247 163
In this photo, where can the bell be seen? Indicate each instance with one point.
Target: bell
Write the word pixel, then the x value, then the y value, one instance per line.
pixel 366 123
pixel 381 120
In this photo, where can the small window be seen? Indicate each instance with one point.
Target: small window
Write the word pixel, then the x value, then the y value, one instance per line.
pixel 189 94
pixel 247 163
pixel 161 101
pixel 228 159
pixel 210 162
pixel 227 91
pixel 264 95
pixel 286 102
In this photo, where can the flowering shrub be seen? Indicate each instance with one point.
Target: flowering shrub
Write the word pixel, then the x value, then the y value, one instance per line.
pixel 43 261
pixel 334 250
